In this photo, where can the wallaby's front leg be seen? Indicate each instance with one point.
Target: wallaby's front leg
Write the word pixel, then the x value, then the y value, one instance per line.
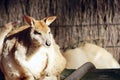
pixel 19 57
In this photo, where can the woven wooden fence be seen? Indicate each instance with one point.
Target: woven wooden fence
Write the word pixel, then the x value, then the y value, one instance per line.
pixel 95 21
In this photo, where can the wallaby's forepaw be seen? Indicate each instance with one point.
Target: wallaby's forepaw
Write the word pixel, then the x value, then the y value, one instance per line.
pixel 11 24
pixel 16 22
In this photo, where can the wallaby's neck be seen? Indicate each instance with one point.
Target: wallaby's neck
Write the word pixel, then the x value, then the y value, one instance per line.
pixel 33 48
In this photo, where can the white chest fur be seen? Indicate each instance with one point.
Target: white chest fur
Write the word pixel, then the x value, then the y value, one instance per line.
pixel 46 59
pixel 38 61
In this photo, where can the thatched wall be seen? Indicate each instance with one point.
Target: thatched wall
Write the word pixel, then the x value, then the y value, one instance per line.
pixel 95 21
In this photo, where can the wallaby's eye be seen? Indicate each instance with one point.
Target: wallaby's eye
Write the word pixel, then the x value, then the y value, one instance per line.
pixel 35 32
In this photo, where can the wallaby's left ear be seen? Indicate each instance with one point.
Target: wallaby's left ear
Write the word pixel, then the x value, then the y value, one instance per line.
pixel 29 20
pixel 49 20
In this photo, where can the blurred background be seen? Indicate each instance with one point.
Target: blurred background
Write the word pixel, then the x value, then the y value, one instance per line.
pixel 94 21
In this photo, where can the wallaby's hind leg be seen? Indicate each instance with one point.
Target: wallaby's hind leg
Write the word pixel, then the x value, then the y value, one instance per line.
pixel 3 33
pixel 5 30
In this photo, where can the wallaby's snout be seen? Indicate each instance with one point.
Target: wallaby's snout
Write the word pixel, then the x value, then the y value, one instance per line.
pixel 48 43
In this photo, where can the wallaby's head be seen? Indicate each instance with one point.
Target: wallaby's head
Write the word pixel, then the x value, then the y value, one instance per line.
pixel 40 32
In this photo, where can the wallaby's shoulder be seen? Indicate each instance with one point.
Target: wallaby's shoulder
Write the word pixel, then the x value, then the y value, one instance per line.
pixel 18 30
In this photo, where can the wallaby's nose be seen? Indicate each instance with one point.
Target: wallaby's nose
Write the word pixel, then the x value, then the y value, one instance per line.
pixel 48 43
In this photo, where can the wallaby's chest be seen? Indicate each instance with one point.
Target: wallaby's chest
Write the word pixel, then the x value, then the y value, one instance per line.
pixel 38 61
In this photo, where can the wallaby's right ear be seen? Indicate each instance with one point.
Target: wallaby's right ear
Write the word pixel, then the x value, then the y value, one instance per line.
pixel 29 20
pixel 49 20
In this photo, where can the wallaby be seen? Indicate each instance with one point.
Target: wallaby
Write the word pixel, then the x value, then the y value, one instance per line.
pixel 5 30
pixel 88 52
pixel 30 52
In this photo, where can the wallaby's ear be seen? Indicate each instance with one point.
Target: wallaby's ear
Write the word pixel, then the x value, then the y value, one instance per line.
pixel 49 20
pixel 29 20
